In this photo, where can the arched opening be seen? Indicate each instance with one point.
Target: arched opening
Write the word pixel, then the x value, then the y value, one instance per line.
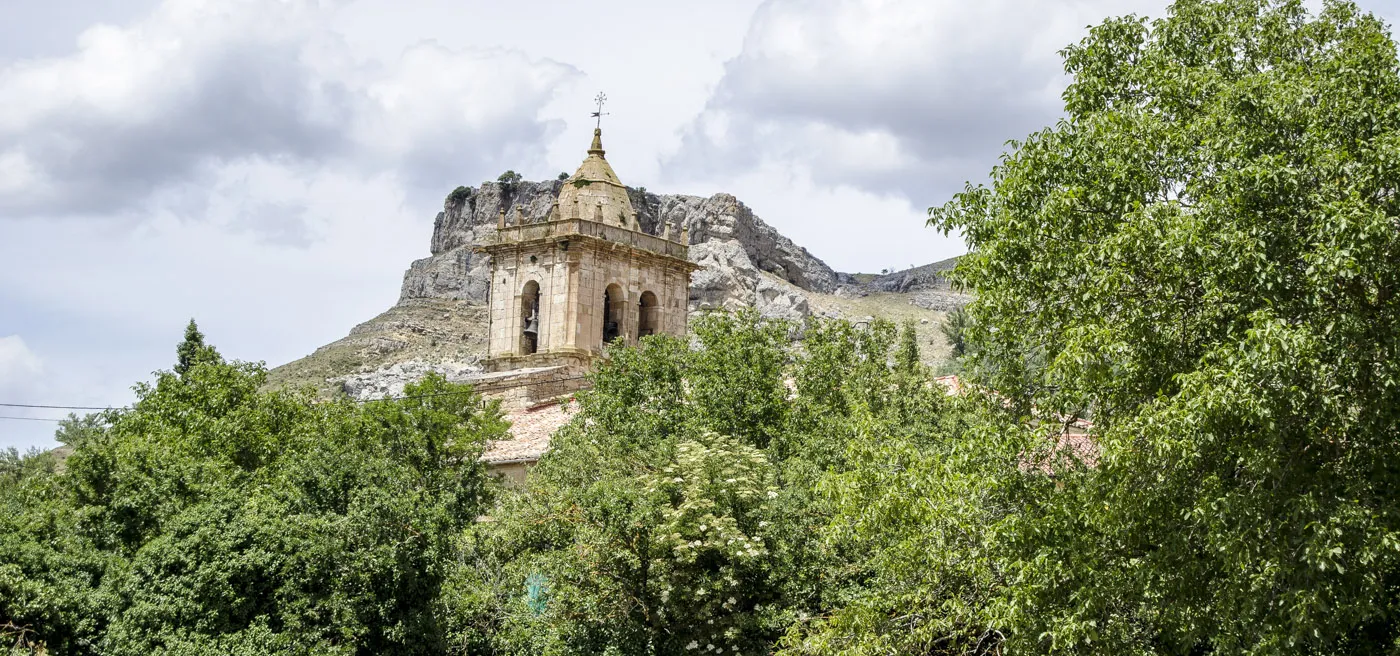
pixel 647 315
pixel 530 318
pixel 613 311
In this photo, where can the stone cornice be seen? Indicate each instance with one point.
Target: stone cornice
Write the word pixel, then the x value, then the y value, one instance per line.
pixel 583 233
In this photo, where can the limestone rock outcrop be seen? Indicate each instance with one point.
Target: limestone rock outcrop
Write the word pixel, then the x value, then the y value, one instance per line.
pixel 927 277
pixel 939 299
pixel 440 321
pixel 390 380
pixel 731 281
pixel 746 262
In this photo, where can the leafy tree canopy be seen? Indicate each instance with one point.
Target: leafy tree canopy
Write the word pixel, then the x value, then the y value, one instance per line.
pixel 212 517
pixel 678 513
pixel 509 180
pixel 1203 256
pixel 193 350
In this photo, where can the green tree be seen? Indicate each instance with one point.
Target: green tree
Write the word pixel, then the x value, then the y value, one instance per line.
pixel 1202 254
pixel 214 517
pixel 193 350
pixel 458 196
pixel 678 512
pixel 907 356
pixel 509 181
pixel 954 329
pixel 75 430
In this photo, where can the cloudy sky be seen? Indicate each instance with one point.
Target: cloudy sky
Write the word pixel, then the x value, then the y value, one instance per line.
pixel 270 167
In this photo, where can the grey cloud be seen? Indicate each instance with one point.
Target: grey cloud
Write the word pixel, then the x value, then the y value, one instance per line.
pixel 222 94
pixel 278 223
pixel 946 87
pixel 48 28
pixel 461 155
pixel 246 102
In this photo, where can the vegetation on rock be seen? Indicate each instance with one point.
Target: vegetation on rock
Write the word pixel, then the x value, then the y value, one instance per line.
pixel 508 181
pixel 458 196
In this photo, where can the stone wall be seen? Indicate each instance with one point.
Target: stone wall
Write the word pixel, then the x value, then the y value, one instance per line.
pixel 571 283
pixel 524 388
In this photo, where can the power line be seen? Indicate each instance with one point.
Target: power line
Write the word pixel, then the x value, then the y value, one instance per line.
pixel 476 389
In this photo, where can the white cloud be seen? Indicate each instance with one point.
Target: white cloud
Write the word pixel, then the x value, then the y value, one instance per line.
pixel 19 366
pixel 435 105
pixel 199 85
pixel 890 95
pixel 18 174
pixel 238 162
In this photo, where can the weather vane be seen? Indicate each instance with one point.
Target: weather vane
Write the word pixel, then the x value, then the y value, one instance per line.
pixel 602 98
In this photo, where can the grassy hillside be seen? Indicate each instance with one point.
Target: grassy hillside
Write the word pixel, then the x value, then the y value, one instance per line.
pixel 444 330
pixel 432 330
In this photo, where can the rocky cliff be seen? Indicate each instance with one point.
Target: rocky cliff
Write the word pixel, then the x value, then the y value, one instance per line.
pixel 746 262
pixel 927 277
pixel 440 322
pixel 928 286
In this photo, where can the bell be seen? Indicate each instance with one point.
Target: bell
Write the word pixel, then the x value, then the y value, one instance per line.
pixel 532 324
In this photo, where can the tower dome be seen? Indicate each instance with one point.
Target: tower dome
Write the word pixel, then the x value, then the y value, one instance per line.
pixel 594 192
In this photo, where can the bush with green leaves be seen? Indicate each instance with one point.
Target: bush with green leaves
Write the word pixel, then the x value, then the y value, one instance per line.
pixel 212 517
pixel 458 196
pixel 509 181
pixel 954 329
pixel 678 513
pixel 1204 256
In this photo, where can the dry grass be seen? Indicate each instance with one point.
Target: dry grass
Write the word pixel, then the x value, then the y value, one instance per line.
pixel 933 347
pixel 444 330
pixel 430 330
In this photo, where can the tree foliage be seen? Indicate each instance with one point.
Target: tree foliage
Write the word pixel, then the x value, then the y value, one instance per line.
pixel 1177 433
pixel 954 329
pixel 193 351
pixel 509 181
pixel 214 517
pixel 458 196
pixel 678 512
pixel 1203 256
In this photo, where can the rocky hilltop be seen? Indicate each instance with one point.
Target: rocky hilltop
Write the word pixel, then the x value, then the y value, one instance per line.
pixel 440 322
pixel 735 248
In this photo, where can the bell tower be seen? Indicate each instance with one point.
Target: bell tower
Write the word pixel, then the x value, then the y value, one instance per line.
pixel 584 276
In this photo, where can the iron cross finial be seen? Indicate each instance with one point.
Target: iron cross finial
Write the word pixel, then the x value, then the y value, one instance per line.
pixel 602 98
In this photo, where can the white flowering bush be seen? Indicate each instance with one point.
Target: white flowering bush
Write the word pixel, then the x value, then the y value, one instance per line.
pixel 719 496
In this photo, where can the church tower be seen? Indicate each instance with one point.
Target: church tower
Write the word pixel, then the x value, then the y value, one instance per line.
pixel 586 276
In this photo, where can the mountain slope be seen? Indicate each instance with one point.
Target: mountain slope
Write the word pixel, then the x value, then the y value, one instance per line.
pixel 440 315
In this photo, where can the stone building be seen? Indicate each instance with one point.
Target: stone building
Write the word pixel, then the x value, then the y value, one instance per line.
pixel 565 287
pixel 587 275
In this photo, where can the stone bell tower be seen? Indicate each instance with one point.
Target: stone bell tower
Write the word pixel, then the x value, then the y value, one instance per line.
pixel 585 276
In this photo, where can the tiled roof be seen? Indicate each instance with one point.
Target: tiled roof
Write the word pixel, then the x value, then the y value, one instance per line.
pixel 530 431
pixel 951 383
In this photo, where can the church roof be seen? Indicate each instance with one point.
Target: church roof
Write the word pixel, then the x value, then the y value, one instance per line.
pixel 595 192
